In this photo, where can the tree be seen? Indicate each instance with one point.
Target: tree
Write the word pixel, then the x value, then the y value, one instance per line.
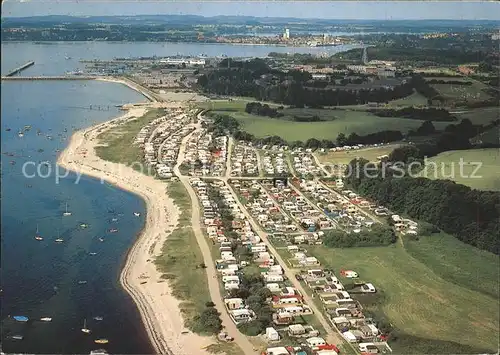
pixel 208 321
pixel 341 140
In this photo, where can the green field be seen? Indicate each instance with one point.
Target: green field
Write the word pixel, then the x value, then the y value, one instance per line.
pixel 485 177
pixel 463 92
pixel 345 156
pixel 428 292
pixel 414 99
pixel 339 121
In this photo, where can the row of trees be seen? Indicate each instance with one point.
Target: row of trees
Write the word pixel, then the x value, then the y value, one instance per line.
pixel 424 114
pixel 470 215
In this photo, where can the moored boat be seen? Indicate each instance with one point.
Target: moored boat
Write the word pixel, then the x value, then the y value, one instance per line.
pixel 46 319
pixel 85 329
pixel 21 318
pixel 101 341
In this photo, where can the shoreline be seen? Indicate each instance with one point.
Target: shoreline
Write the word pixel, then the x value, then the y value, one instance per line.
pixel 139 277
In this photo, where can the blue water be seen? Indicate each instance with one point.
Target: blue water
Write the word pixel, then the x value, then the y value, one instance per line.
pixel 50 57
pixel 40 278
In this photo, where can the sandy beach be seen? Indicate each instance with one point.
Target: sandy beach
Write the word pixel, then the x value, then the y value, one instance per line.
pixel 158 308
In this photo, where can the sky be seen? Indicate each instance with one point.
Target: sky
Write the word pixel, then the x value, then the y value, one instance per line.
pixel 378 10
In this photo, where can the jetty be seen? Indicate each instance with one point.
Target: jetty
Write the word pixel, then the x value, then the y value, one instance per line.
pixel 61 77
pixel 20 69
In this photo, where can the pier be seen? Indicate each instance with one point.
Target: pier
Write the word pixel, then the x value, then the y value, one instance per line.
pixel 65 77
pixel 20 69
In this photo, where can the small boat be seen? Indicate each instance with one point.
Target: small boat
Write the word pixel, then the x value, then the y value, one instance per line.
pixel 37 234
pixel 85 329
pixel 113 230
pixel 82 282
pixel 101 239
pixel 67 57
pixel 17 337
pixel 101 341
pixel 98 352
pixel 93 253
pixel 137 214
pixel 21 318
pixel 20 134
pixel 67 213
pixel 27 127
pixel 46 319
pixel 98 318
pixel 59 239
pixel 7 129
pixel 84 225
pixel 114 219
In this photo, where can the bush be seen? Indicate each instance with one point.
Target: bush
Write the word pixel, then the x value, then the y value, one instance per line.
pixel 210 304
pixel 377 236
pixel 208 322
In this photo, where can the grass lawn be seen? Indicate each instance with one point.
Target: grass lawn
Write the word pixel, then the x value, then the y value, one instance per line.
pixel 180 261
pixel 345 157
pixel 117 143
pixel 417 298
pixel 462 266
pixel 485 178
pixel 341 121
pixel 463 92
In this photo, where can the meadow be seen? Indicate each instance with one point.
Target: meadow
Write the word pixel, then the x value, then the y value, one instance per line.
pixel 345 156
pixel 484 177
pixel 430 295
pixel 472 92
pixel 334 122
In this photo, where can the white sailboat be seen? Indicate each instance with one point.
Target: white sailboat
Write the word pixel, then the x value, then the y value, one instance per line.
pixel 37 234
pixel 59 239
pixel 65 214
pixel 85 329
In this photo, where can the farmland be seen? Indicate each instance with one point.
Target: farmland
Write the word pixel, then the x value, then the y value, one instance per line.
pixel 333 122
pixel 485 178
pixel 345 156
pixel 424 297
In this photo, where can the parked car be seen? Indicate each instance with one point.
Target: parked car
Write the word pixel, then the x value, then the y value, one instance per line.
pixel 368 288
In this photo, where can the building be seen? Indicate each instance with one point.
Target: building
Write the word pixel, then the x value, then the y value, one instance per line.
pixel 386 72
pixel 286 34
